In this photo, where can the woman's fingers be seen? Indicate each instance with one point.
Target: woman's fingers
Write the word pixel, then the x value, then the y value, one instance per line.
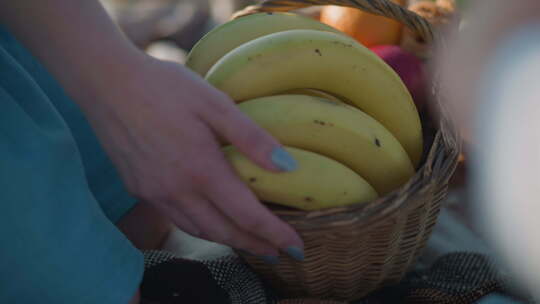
pixel 252 140
pixel 211 177
pixel 181 221
pixel 212 225
pixel 233 198
pixel 225 189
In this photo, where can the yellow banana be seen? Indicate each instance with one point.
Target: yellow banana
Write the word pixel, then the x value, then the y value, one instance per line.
pixel 228 36
pixel 335 130
pixel 318 183
pixel 312 92
pixel 324 61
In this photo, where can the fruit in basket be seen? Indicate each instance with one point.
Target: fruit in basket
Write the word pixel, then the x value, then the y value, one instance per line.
pixel 335 130
pixel 369 29
pixel 318 183
pixel 229 35
pixel 409 68
pixel 326 61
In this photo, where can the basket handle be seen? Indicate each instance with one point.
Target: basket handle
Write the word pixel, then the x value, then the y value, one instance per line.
pixel 384 8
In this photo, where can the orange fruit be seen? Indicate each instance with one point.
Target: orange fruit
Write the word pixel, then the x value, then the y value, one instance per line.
pixel 368 29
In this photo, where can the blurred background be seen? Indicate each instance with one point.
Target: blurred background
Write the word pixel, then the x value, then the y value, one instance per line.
pixel 169 28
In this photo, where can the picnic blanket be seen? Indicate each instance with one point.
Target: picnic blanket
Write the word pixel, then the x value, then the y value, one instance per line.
pixel 456 268
pixel 455 278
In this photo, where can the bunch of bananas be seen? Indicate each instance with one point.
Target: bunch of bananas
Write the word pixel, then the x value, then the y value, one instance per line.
pixel 341 111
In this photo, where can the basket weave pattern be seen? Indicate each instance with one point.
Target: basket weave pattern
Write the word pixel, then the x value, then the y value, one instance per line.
pixel 352 251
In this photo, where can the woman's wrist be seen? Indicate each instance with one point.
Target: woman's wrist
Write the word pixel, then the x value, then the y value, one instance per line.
pixel 104 82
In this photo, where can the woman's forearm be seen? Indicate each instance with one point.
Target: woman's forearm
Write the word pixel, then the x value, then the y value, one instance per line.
pixel 75 39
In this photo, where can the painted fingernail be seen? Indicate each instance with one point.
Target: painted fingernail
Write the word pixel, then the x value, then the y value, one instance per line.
pixel 296 253
pixel 270 259
pixel 283 160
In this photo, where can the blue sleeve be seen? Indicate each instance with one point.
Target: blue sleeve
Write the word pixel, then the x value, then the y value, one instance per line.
pixel 57 244
pixel 102 177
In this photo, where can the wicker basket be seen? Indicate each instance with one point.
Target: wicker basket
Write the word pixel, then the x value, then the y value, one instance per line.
pixel 352 251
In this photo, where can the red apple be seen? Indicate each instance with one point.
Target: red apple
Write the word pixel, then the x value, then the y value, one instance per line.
pixel 408 67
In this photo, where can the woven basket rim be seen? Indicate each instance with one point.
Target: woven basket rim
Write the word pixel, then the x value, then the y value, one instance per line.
pixel 443 153
pixel 385 8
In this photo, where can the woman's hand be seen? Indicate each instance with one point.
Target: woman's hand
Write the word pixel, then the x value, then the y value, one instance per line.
pixel 159 125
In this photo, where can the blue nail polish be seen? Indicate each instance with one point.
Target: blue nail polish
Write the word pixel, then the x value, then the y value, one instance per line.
pixel 283 160
pixel 270 259
pixel 296 253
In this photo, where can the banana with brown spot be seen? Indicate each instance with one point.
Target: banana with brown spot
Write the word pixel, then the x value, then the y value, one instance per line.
pixel 318 183
pixel 335 130
pixel 324 61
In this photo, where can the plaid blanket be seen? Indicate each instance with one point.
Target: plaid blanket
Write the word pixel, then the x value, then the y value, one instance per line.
pixel 455 278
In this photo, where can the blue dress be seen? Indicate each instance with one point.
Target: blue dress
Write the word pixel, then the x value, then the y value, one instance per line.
pixel 59 196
